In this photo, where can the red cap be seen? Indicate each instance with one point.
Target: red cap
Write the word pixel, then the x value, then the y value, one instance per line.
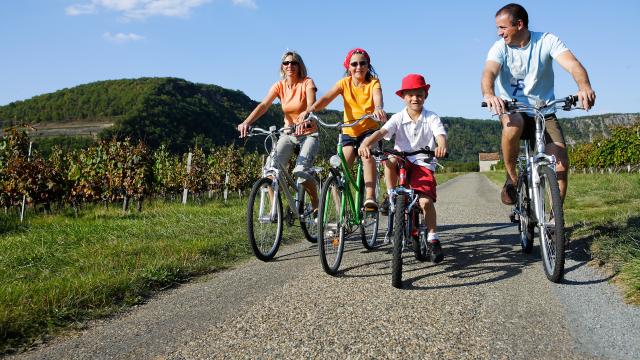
pixel 350 54
pixel 413 81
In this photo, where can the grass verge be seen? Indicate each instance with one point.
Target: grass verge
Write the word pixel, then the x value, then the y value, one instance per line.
pixel 604 210
pixel 59 270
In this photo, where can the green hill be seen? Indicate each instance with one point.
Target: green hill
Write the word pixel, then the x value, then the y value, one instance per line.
pixel 180 114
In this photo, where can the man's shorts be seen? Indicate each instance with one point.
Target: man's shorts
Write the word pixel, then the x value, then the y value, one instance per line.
pixel 421 179
pixel 552 130
pixel 309 146
pixel 355 141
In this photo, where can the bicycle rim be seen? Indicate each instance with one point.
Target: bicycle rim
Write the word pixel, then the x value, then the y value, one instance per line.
pixel 331 231
pixel 308 221
pixel 551 226
pixel 524 208
pixel 399 231
pixel 264 220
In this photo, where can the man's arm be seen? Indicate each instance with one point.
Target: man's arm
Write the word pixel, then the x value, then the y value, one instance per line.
pixel 489 75
pixel 586 95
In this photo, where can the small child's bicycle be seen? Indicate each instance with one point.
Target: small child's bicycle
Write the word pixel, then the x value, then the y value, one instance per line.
pixel 341 206
pixel 265 215
pixel 405 225
pixel 538 204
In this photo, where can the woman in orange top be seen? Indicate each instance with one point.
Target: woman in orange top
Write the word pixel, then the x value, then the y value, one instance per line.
pixel 362 94
pixel 296 92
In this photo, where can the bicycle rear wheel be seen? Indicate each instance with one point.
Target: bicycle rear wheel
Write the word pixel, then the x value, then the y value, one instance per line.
pixel 523 206
pixel 551 226
pixel 264 219
pixel 331 225
pixel 399 231
pixel 307 216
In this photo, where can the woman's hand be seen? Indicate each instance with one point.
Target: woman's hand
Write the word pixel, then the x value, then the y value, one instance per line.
pixel 244 129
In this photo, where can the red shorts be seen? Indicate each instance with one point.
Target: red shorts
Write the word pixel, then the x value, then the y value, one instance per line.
pixel 421 179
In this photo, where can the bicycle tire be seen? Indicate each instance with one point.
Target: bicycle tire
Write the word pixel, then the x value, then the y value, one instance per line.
pixel 399 224
pixel 526 224
pixel 308 222
pixel 370 220
pixel 331 226
pixel 264 231
pixel 551 232
pixel 420 247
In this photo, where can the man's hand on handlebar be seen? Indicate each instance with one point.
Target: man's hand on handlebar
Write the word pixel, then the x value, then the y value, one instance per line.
pixel 587 98
pixel 495 104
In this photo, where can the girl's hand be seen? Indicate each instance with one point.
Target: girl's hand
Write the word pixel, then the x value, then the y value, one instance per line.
pixel 302 127
pixel 380 114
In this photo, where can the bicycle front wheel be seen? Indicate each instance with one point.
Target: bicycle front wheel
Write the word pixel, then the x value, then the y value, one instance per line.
pixel 551 226
pixel 526 225
pixel 264 219
pixel 399 231
pixel 331 225
pixel 308 221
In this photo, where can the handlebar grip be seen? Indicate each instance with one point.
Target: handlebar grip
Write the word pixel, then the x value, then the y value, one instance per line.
pixel 573 99
pixel 484 104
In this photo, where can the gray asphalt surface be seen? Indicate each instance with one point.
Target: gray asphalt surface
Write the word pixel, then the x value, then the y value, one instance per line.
pixel 485 300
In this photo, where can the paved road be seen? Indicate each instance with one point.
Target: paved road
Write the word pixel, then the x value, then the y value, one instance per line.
pixel 485 300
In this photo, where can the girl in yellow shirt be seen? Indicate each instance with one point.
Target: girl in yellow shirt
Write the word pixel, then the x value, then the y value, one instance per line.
pixel 362 94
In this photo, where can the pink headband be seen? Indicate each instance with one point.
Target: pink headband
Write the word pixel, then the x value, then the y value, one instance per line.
pixel 350 54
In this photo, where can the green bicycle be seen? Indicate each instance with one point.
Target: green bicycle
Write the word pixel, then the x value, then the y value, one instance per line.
pixel 341 210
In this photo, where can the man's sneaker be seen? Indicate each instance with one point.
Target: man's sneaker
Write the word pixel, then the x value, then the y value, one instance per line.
pixel 508 194
pixel 384 208
pixel 436 251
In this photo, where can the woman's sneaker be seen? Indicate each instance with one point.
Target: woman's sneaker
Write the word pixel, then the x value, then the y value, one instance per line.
pixel 436 251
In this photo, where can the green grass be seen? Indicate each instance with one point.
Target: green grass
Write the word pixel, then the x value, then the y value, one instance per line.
pixel 604 210
pixel 59 270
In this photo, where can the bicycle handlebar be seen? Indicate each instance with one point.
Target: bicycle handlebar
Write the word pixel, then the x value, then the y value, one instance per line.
pixel 405 154
pixel 255 131
pixel 513 105
pixel 339 125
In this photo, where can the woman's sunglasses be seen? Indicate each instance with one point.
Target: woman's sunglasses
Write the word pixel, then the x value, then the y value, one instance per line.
pixel 362 63
pixel 285 63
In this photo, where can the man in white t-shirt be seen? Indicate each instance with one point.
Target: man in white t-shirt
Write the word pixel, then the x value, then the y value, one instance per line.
pixel 521 66
pixel 414 128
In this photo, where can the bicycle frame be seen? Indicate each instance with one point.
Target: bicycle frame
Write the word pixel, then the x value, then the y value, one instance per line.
pixel 340 168
pixel 278 176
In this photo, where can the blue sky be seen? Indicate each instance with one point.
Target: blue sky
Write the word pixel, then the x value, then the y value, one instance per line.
pixel 49 45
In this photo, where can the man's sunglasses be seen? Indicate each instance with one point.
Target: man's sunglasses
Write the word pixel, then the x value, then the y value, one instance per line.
pixel 362 63
pixel 285 63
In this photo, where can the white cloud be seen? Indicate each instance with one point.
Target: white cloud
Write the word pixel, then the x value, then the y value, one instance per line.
pixel 139 9
pixel 122 38
pixel 251 4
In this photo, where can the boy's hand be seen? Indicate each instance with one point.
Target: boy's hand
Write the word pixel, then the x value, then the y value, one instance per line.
pixel 440 151
pixel 364 151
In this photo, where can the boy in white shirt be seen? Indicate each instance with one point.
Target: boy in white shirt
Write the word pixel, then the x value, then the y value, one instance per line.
pixel 415 128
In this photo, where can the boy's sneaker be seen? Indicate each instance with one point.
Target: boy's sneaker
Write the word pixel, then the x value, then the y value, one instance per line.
pixel 436 251
pixel 384 208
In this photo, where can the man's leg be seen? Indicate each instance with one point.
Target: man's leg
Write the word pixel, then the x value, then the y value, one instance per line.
pixel 512 127
pixel 559 150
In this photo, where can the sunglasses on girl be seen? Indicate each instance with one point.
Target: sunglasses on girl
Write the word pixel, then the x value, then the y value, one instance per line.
pixel 285 63
pixel 362 63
